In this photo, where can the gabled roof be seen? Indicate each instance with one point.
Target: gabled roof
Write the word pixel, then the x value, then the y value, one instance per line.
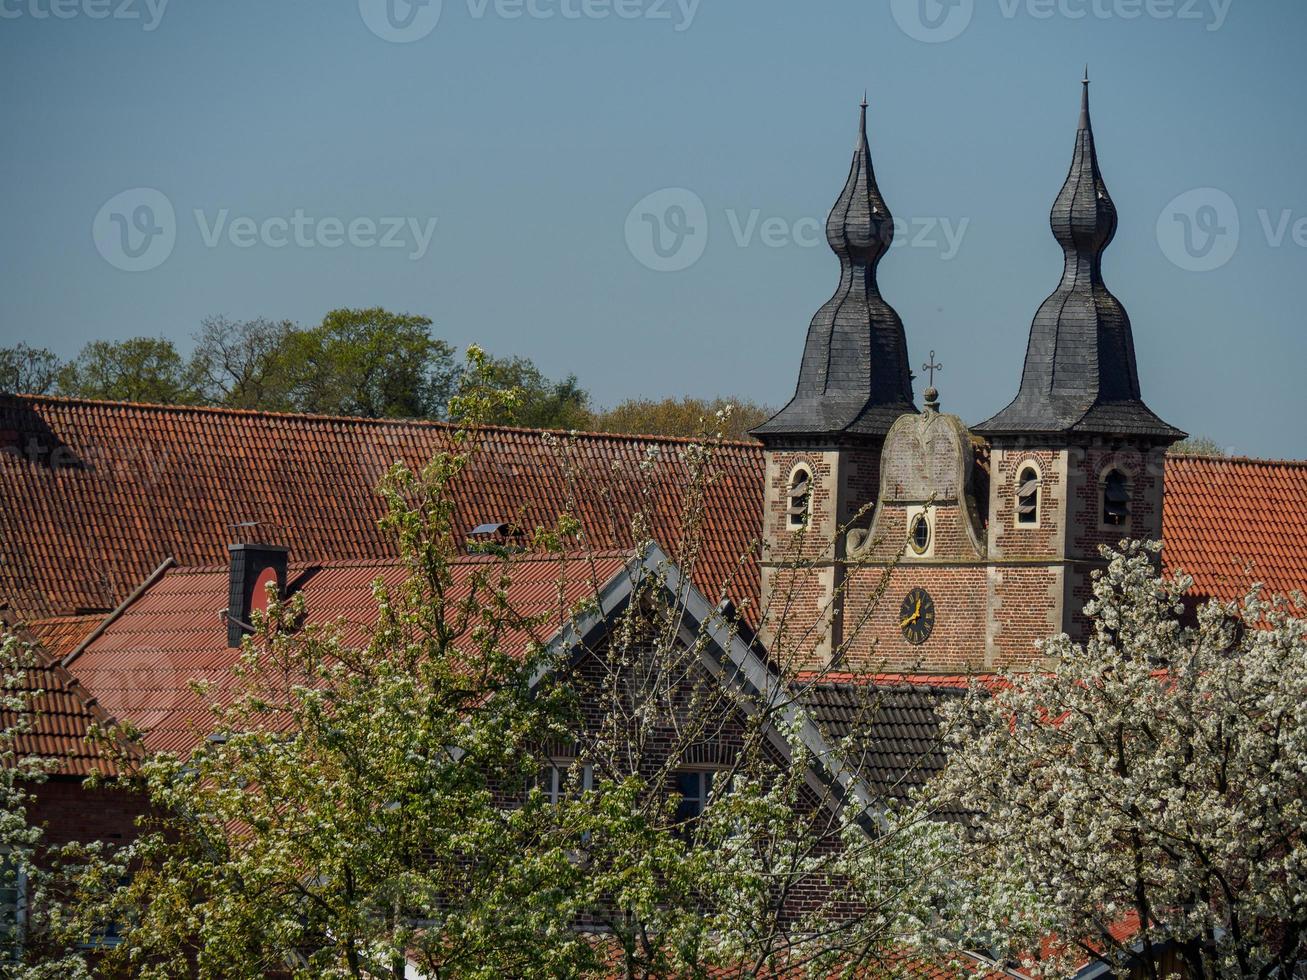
pixel 142 664
pixel 62 712
pixel 1233 522
pixel 94 495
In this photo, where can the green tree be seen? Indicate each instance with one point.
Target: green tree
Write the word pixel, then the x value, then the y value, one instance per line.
pixel 1199 446
pixel 246 364
pixel 28 370
pixel 142 369
pixel 686 417
pixel 538 402
pixel 367 802
pixel 34 895
pixel 369 363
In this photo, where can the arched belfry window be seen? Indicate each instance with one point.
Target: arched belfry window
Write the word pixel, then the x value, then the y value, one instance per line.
pixel 1028 496
pixel 1116 499
pixel 800 496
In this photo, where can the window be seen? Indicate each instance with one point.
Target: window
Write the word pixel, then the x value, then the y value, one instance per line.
pixel 800 496
pixel 1028 496
pixel 562 779
pixel 1116 499
pixel 694 788
pixel 919 534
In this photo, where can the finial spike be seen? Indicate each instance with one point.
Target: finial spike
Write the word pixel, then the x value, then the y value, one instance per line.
pixel 864 99
pixel 1084 101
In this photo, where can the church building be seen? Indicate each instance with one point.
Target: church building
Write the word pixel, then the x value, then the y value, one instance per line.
pixel 915 543
pixel 861 536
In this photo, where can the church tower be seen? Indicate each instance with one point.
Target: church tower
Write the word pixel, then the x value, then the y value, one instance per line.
pixel 823 449
pixel 1077 460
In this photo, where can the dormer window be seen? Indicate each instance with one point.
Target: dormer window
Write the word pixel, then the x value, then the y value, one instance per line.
pixel 800 497
pixel 1028 496
pixel 1116 499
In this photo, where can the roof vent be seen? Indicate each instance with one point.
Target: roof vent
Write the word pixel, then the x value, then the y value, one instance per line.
pixel 253 568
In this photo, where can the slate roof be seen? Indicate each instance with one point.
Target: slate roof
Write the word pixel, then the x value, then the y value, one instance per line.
pixel 1233 522
pixel 899 715
pixel 854 378
pixel 94 495
pixel 141 665
pixel 1080 373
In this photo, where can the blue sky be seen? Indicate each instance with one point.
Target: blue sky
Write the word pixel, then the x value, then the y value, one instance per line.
pixel 319 140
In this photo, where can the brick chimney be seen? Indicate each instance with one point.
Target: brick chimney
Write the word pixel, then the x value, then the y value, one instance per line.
pixel 253 566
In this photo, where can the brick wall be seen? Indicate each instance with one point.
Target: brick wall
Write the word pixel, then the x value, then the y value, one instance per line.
pixel 802 571
pixel 71 812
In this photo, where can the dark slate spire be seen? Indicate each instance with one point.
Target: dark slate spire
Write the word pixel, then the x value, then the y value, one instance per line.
pixel 1080 373
pixel 854 379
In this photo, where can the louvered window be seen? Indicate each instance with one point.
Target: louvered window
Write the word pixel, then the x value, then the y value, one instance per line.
pixel 1028 497
pixel 1116 499
pixel 800 497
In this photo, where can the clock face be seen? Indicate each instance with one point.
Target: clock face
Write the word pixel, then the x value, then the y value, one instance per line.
pixel 917 616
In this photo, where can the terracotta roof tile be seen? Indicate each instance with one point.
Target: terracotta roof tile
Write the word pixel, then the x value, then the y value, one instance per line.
pixel 142 665
pixel 61 635
pixel 1233 522
pixel 96 494
pixel 63 712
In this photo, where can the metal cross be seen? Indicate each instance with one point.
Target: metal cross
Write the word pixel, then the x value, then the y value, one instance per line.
pixel 932 367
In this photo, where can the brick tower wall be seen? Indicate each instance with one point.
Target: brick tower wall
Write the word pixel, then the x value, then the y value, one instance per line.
pixel 802 575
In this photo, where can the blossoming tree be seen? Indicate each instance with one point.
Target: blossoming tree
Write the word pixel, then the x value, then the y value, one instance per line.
pixel 1143 800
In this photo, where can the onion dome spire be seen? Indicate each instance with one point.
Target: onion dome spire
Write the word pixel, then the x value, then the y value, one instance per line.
pixel 1080 373
pixel 854 379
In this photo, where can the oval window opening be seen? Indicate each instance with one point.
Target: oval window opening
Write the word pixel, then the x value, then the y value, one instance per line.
pixel 919 536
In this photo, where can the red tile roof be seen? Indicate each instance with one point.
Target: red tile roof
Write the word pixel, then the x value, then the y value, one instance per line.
pixel 62 714
pixel 61 635
pixel 142 664
pixel 1233 522
pixel 94 495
